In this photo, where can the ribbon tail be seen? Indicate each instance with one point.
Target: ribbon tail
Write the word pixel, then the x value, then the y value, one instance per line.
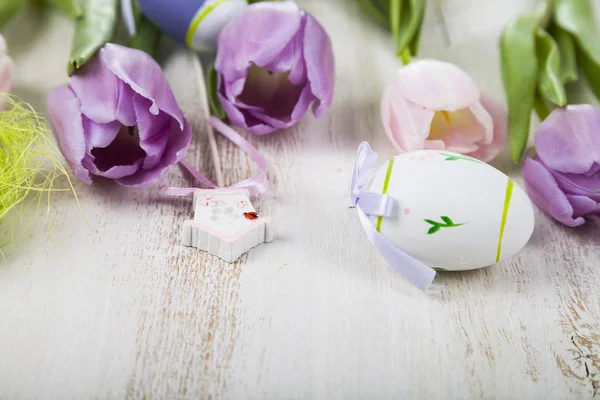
pixel 412 270
pixel 196 174
pixel 178 191
pixel 256 185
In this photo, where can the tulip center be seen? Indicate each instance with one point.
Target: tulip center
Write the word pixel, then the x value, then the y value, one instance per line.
pixel 271 91
pixel 124 150
pixel 445 123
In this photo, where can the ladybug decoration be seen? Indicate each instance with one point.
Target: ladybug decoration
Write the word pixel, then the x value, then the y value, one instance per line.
pixel 194 22
pixel 251 215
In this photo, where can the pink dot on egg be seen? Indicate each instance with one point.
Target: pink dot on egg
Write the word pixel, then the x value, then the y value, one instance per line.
pixel 406 211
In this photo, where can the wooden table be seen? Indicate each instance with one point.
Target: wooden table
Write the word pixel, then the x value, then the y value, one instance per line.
pixel 123 310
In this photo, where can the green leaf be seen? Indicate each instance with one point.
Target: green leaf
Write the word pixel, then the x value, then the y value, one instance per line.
pixel 541 106
pixel 394 15
pixel 382 5
pixel 520 76
pixel 71 8
pixel 8 9
pixel 414 43
pixel 447 220
pixel 577 18
pixel 92 30
pixel 568 59
pixel 146 36
pixel 213 98
pixel 373 10
pixel 429 221
pixel 411 19
pixel 550 83
pixel 433 229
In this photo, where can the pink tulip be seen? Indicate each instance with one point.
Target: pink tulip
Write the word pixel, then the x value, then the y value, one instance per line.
pixel 436 105
pixel 5 70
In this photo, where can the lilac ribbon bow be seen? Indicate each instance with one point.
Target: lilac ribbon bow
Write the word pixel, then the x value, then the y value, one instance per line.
pixel 255 185
pixel 369 203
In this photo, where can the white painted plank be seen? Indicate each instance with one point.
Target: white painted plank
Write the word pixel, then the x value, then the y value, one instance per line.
pixel 126 311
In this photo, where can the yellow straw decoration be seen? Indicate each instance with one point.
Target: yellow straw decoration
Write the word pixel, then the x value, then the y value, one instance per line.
pixel 30 163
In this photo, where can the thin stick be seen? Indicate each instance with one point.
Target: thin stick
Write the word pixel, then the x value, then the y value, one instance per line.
pixel 199 73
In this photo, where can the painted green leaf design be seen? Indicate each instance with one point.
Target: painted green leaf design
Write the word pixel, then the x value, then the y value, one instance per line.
pixel 440 269
pixel 550 84
pixel 520 76
pixel 455 157
pixel 433 229
pixel 213 98
pixel 92 30
pixel 577 18
pixel 447 220
pixel 436 226
pixel 71 8
pixel 8 9
pixel 568 60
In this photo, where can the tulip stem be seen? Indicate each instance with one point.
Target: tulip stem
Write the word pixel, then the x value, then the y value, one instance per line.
pixel 199 78
pixel 405 56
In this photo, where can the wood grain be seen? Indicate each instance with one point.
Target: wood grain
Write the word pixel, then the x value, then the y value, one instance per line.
pixel 124 311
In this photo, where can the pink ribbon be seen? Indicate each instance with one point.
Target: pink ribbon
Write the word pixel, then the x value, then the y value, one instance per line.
pixel 255 185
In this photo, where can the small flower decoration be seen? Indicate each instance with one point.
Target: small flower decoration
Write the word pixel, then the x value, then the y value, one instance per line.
pixel 273 61
pixel 242 203
pixel 118 119
pixel 435 105
pixel 6 68
pixel 563 179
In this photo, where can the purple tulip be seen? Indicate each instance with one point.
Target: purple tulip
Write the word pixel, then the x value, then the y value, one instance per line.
pixel 564 178
pixel 273 61
pixel 119 119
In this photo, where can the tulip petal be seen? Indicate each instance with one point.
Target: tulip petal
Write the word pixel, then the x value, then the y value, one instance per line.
pixel 485 119
pixel 406 124
pixel 121 171
pixel 583 206
pixel 174 152
pixel 546 194
pixel 143 74
pixel 125 112
pixel 64 110
pixel 115 172
pixel 579 184
pixel 98 91
pixel 320 66
pixel 497 111
pixel 460 131
pixel 306 97
pixel 436 85
pixel 569 139
pixel 154 131
pixel 99 135
pixel 273 27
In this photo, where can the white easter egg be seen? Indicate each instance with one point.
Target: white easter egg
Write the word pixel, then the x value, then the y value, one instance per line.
pixel 455 212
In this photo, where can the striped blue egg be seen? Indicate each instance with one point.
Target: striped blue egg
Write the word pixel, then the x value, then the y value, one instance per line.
pixel 194 22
